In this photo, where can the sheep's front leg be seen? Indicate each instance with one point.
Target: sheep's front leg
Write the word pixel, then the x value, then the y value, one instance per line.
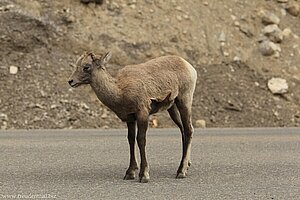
pixel 130 173
pixel 142 124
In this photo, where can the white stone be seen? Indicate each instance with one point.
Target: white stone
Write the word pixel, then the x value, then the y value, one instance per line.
pixel 282 1
pixel 268 48
pixel 278 85
pixel 83 105
pixel 4 125
pixel 222 37
pixel 295 36
pixel 237 24
pixel 269 18
pixel 155 123
pixel 200 123
pixel 273 32
pixel 3 117
pixel 179 18
pixel 283 12
pixel 225 53
pixel 13 69
pixel 237 59
pixel 104 115
pixel 286 32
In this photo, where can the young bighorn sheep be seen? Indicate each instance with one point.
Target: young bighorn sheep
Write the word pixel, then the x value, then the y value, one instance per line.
pixel 164 83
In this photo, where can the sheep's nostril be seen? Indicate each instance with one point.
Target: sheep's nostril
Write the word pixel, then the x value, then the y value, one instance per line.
pixel 70 82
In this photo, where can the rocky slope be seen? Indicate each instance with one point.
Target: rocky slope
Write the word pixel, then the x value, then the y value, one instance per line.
pixel 236 47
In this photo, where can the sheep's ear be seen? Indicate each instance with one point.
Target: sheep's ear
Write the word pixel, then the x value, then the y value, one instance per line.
pixel 106 58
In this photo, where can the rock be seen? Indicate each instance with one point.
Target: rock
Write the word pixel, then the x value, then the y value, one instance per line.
pixel 283 12
pixel 278 85
pixel 237 59
pixel 86 1
pixel 226 53
pixel 174 39
pixel 222 37
pixel 236 23
pixel 178 8
pixel 13 69
pixel 186 16
pixel 246 30
pixel 233 106
pixel 262 38
pixel 282 1
pixel 54 106
pixel 3 117
pixel 276 54
pixel 200 123
pixel 114 7
pixel 100 2
pixel 268 48
pixel 68 19
pixel 276 114
pixel 149 1
pixel 154 123
pixel 293 9
pixel 7 7
pixel 36 119
pixel 43 93
pixel 3 125
pixel 133 6
pixel 3 121
pixel 35 105
pixel 286 32
pixel 63 101
pixel 233 17
pixel 84 106
pixel 130 2
pixel 273 32
pixel 269 18
pixel 295 36
pixel 179 18
pixel 213 119
pixel 104 115
pixel 91 1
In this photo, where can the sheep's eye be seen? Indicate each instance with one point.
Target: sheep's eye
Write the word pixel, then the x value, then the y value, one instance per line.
pixel 86 67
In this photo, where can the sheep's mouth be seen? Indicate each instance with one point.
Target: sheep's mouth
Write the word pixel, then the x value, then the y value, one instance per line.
pixel 74 85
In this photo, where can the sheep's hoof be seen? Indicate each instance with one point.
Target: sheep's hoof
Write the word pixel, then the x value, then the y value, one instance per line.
pixel 129 176
pixel 144 179
pixel 189 164
pixel 181 175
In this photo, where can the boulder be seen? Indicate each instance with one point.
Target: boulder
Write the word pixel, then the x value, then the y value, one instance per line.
pixel 278 85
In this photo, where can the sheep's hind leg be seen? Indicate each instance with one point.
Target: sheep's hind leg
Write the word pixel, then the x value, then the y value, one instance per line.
pixel 175 116
pixel 184 107
pixel 130 173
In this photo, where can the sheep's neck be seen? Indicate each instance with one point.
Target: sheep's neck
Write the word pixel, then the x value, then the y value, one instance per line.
pixel 104 85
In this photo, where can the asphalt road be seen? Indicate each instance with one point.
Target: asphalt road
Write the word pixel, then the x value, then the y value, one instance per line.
pixel 90 164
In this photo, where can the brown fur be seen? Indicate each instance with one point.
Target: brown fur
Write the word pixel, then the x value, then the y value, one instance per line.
pixel 137 91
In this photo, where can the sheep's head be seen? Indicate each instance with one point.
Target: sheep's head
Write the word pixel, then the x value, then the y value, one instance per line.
pixel 84 67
